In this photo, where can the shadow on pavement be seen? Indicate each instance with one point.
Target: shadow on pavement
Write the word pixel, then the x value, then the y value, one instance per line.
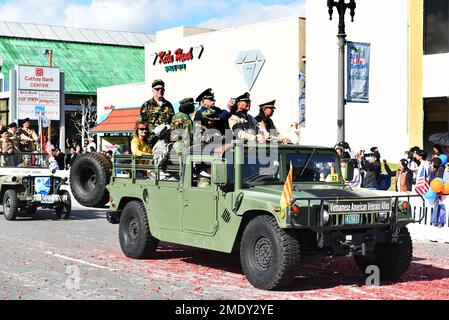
pixel 325 273
pixel 49 214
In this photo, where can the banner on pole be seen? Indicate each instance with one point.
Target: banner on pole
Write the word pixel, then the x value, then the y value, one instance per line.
pixel 358 72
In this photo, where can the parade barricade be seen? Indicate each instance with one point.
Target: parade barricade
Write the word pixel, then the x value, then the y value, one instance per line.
pixel 424 230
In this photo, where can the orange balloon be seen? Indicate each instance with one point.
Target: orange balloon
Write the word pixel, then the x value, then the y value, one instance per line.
pixel 446 189
pixel 437 186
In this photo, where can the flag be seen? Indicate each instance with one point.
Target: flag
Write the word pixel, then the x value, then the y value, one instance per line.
pixel 422 182
pixel 41 134
pixel 287 195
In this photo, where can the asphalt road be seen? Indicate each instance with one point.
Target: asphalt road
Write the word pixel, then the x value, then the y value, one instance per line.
pixel 81 258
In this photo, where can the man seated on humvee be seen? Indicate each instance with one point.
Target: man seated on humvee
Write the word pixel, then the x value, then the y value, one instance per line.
pixel 26 162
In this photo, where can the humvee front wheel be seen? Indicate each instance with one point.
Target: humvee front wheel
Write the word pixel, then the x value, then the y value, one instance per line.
pixel 392 258
pixel 268 254
pixel 10 205
pixel 64 211
pixel 136 240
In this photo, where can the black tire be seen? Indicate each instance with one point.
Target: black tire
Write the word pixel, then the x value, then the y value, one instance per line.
pixel 268 254
pixel 135 236
pixel 89 177
pixel 10 205
pixel 64 211
pixel 393 259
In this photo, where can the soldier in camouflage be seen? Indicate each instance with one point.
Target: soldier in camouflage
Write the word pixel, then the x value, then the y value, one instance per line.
pixel 182 125
pixel 157 110
pixel 8 149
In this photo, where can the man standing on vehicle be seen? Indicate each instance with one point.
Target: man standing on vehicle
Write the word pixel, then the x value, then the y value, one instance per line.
pixel 27 137
pixel 243 125
pixel 157 110
pixel 206 102
pixel 8 149
pixel 266 124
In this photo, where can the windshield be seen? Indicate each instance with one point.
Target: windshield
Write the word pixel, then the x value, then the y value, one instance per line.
pixel 309 166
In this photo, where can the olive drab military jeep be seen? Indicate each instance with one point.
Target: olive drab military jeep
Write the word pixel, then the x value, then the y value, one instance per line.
pixel 239 209
pixel 25 188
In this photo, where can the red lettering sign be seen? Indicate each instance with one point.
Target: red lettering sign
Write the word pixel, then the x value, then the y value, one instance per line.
pixel 166 57
pixel 39 72
pixel 182 57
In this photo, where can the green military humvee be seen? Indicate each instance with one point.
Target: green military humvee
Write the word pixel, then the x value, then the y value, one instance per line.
pixel 238 208
pixel 25 189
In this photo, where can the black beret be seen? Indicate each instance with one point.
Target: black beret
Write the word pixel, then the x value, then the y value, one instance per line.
pixel 268 105
pixel 244 97
pixel 26 120
pixel 3 130
pixel 158 82
pixel 12 125
pixel 206 94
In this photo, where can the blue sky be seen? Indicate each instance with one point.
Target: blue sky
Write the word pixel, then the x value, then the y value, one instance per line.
pixel 147 15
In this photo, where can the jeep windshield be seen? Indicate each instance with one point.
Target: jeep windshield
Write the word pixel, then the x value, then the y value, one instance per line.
pixel 308 166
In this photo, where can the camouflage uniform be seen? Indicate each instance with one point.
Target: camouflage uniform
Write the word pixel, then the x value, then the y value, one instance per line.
pixel 182 121
pixel 7 159
pixel 15 139
pixel 155 115
pixel 26 139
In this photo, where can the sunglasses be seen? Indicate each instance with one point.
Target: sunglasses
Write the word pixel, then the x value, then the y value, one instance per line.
pixel 158 89
pixel 144 129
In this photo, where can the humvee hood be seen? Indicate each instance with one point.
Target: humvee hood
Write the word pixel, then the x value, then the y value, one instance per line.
pixel 275 191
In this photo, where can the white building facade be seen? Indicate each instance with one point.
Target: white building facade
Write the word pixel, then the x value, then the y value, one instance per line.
pixel 264 59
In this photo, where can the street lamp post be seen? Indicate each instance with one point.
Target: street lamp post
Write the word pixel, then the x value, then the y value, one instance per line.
pixel 341 6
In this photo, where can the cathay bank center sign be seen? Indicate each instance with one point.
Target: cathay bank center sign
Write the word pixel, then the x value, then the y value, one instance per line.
pixel 38 93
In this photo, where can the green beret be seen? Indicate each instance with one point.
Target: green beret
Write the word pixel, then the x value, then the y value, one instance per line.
pixel 158 82
pixel 3 130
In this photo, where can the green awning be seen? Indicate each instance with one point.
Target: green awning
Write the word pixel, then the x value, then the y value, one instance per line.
pixel 86 66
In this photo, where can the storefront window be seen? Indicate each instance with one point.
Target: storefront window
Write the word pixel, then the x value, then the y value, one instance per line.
pixel 436 26
pixel 436 119
pixel 4 113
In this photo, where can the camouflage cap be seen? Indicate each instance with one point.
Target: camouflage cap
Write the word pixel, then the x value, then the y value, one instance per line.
pixel 157 83
pixel 268 105
pixel 243 98
pixel 206 94
pixel 187 102
pixel 210 115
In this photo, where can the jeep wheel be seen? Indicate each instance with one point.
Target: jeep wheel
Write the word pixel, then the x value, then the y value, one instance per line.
pixel 268 254
pixel 10 205
pixel 89 177
pixel 393 259
pixel 136 240
pixel 64 210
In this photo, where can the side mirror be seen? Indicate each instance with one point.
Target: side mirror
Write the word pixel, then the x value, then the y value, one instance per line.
pixel 348 171
pixel 220 172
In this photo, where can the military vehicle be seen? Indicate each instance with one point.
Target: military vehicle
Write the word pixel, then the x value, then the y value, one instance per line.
pixel 25 189
pixel 238 209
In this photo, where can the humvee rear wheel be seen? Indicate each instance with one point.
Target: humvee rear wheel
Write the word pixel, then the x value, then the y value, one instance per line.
pixel 64 211
pixel 268 254
pixel 136 240
pixel 10 205
pixel 393 259
pixel 89 176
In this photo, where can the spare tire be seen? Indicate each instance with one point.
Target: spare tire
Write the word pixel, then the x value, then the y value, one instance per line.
pixel 89 176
